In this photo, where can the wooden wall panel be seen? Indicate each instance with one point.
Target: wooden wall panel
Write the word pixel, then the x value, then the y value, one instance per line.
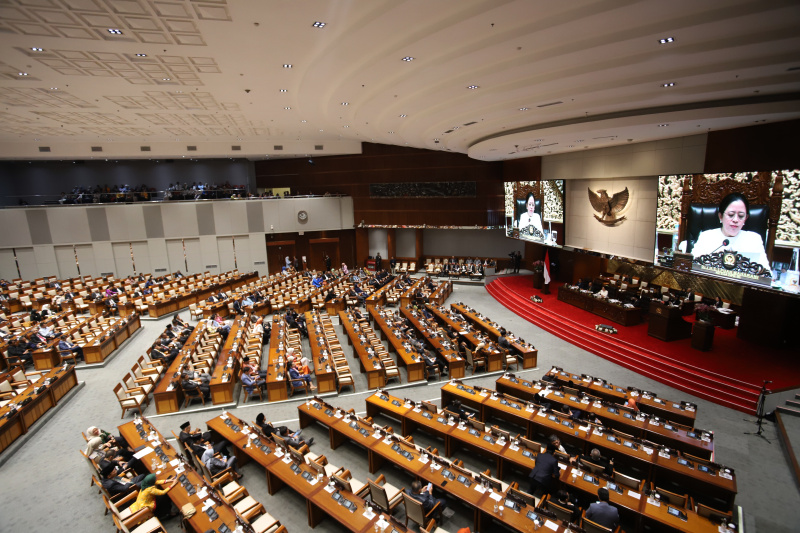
pixel 764 147
pixel 341 243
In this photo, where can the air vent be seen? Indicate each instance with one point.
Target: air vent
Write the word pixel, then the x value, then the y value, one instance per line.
pixel 144 148
pixel 191 148
pixel 44 148
pixel 278 147
pixel 236 148
pixel 259 262
pixel 211 266
pixel 161 270
pixel 318 147
pixel 449 131
pixel 470 123
pixel 551 103
pixel 97 148
pixel 104 274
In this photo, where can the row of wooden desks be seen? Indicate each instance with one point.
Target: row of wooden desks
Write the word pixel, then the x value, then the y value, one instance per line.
pixel 180 301
pixel 281 470
pixel 680 412
pixel 439 342
pixel 655 464
pixel 494 358
pixel 526 351
pixel 225 373
pixel 695 442
pixel 277 370
pixel 25 408
pixel 151 447
pixel 369 363
pixel 320 353
pixel 415 366
pixel 627 316
pixel 168 394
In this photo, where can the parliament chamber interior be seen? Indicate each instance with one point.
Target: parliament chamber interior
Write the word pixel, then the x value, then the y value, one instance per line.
pixel 525 266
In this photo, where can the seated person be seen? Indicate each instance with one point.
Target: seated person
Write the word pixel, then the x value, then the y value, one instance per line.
pixel 564 499
pixel 431 361
pixel 733 212
pixel 65 345
pixel 292 438
pixel 529 217
pixel 114 484
pixel 424 495
pixel 304 366
pixel 189 383
pixel 456 407
pixel 596 458
pixel 196 440
pixel 603 292
pixel 298 378
pixel 156 499
pixel 250 367
pixel 251 380
pixel 601 512
pixel 216 465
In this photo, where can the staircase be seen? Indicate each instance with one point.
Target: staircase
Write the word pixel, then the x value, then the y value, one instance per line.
pixel 705 384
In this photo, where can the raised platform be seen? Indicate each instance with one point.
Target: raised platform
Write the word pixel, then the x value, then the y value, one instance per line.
pixel 730 374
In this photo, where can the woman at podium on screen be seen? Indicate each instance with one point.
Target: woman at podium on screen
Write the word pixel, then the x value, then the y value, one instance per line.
pixel 530 217
pixel 733 211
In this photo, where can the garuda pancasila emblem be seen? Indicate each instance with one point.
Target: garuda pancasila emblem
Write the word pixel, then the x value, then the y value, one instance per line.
pixel 608 207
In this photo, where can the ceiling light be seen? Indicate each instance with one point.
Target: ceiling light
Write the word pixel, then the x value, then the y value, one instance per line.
pixel 287 107
pixel 391 132
pixel 114 31
pixel 579 141
pixel 403 116
pixel 165 79
pixel 523 108
pixel 345 103
pixel 321 130
pixel 53 88
pixel 663 125
pixel 287 65
pixel 283 90
pixel 141 55
pixel 666 40
pixel 570 146
pixel 23 73
pixel 36 49
pixel 436 139
pixel 345 126
pixel 670 84
pixel 472 87
pixel 319 24
pixel 408 58
pixel 178 92
pixel 303 121
pixel 538 140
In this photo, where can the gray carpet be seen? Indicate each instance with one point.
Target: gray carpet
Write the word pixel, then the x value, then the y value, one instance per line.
pixel 45 485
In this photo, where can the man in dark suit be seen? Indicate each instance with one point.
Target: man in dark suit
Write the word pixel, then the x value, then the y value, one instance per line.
pixel 545 473
pixel 595 458
pixel 601 512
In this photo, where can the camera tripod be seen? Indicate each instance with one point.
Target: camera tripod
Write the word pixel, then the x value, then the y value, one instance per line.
pixel 762 396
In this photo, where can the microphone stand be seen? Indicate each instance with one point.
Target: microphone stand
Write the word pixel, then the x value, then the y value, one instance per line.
pixel 760 412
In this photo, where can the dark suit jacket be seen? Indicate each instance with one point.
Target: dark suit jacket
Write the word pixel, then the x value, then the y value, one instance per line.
pixel 603 514
pixel 546 470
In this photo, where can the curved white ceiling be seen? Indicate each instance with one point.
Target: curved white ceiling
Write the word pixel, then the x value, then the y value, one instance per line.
pixel 550 76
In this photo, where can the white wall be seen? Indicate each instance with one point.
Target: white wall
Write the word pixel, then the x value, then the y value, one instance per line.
pixel 633 237
pixel 45 238
pixel 378 242
pixel 406 242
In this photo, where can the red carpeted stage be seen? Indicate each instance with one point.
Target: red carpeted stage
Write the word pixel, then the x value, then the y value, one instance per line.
pixel 730 374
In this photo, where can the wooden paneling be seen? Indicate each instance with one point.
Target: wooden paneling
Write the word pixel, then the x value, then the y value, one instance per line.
pixel 339 244
pixel 765 147
pixel 352 175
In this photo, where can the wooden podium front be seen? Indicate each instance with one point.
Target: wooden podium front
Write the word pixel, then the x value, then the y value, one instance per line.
pixel 667 323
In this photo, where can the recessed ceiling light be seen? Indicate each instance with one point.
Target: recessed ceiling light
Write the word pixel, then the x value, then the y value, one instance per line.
pixel 570 146
pixel 321 130
pixel 403 116
pixel 53 88
pixel 178 91
pixel 391 132
pixel 408 58
pixel 666 40
pixel 319 24
pixel 287 65
pixel 523 108
pixel 36 49
pixel 345 126
pixel 23 73
pixel 472 86
pixel 114 31
pixel 663 125
pixel 165 79
pixel 436 139
pixel 287 107
pixel 670 84
pixel 345 103
pixel 579 141
pixel 283 90
pixel 141 55
pixel 303 121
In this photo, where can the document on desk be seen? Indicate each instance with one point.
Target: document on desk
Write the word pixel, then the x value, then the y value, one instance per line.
pixel 634 494
pixel 144 451
pixel 175 462
pixel 496 496
pixel 551 525
pixel 480 488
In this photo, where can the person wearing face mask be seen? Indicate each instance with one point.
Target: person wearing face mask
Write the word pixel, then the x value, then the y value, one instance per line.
pixel 733 212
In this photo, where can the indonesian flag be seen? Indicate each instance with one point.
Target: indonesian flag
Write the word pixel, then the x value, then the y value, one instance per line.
pixel 547 267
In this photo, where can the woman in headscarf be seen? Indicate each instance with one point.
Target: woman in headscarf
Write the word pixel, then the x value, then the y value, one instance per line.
pixel 156 499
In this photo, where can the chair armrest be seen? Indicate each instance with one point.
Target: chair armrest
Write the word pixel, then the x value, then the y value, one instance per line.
pixel 138 517
pixel 144 380
pixel 134 390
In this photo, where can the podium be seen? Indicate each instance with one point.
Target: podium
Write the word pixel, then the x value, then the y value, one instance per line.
pixel 666 322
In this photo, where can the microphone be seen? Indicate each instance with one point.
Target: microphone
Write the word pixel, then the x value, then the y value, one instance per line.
pixel 726 242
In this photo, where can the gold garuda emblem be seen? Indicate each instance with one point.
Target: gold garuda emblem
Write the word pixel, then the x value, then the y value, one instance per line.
pixel 608 207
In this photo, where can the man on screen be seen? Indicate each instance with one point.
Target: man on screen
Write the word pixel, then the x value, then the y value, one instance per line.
pixel 531 218
pixel 733 211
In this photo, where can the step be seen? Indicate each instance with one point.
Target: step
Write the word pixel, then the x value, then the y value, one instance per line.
pixel 793 403
pixel 788 410
pixel 714 387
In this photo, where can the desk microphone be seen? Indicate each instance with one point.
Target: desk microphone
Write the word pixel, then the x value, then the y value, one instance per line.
pixel 726 242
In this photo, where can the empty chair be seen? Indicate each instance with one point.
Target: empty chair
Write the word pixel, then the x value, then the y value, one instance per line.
pixel 384 495
pixel 127 401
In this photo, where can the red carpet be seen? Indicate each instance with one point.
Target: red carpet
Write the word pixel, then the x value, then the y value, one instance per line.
pixel 730 374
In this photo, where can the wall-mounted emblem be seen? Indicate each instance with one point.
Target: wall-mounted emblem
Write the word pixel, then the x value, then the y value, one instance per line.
pixel 609 206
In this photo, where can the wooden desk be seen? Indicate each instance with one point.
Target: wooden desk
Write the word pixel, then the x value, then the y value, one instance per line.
pixel 226 370
pixel 320 353
pixel 529 354
pixel 139 436
pixel 368 363
pixel 439 342
pixel 627 316
pixel 415 367
pixel 666 322
pixel 680 412
pixel 276 365
pixel 167 394
pixel 466 331
pixel 56 384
